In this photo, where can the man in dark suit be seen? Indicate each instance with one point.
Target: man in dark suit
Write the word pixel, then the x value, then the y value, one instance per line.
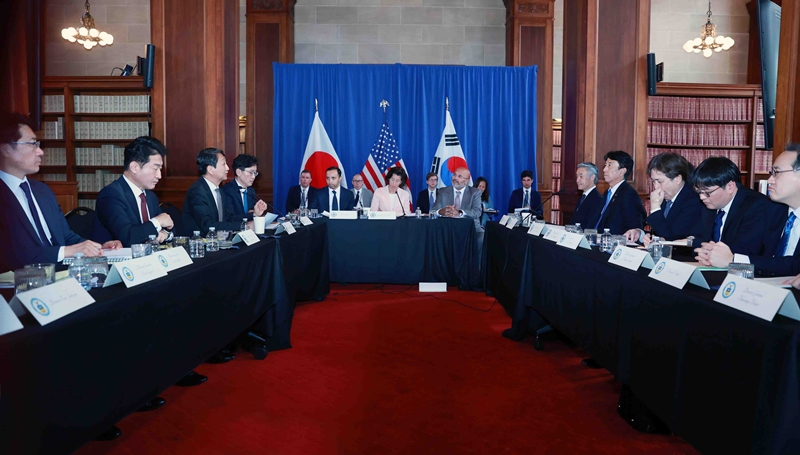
pixel 525 197
pixel 32 227
pixel 746 221
pixel 675 208
pixel 427 197
pixel 332 197
pixel 783 258
pixel 622 208
pixel 127 209
pixel 300 195
pixel 240 198
pixel 204 205
pixel 461 201
pixel 587 212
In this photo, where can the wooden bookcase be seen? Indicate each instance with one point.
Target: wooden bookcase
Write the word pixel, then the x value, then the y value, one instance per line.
pixel 93 131
pixel 555 208
pixel 703 120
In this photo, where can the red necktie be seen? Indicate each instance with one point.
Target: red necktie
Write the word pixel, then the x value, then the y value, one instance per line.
pixel 145 217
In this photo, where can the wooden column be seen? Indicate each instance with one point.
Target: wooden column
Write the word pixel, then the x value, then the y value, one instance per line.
pixel 529 41
pixel 605 87
pixel 270 38
pixel 196 86
pixel 20 52
pixel 787 103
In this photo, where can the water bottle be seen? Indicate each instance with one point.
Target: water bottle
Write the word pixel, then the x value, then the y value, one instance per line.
pixel 196 247
pixel 605 241
pixel 212 244
pixel 656 249
pixel 80 272
pixel 578 228
pixel 154 245
pixel 418 213
pixel 243 227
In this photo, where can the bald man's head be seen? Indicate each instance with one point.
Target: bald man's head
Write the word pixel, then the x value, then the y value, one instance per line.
pixel 461 178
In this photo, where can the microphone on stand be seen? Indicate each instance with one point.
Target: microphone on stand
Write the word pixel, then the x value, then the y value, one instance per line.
pixel 401 202
pixel 536 210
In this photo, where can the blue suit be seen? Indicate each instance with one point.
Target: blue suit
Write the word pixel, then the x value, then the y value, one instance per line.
pixel 683 217
pixel 625 211
pixel 118 215
pixel 753 226
pixel 320 200
pixel 516 200
pixel 234 205
pixel 19 242
pixel 777 265
pixel 200 210
pixel 293 198
pixel 588 212
pixel 423 202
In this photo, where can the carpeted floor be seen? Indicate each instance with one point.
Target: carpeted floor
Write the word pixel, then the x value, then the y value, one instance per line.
pixel 393 371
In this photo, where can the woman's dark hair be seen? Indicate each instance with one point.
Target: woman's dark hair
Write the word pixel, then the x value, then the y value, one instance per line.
pixel 397 171
pixel 485 195
pixel 715 171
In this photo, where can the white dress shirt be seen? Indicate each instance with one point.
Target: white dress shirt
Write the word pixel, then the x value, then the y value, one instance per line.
pixel 136 192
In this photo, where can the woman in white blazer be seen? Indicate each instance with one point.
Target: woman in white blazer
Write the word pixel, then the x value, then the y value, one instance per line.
pixel 392 198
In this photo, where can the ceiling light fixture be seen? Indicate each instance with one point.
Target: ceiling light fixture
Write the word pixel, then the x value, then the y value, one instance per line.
pixel 87 35
pixel 709 42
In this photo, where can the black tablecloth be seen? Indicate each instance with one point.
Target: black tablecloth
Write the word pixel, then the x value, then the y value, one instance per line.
pixel 725 381
pixel 305 262
pixel 63 384
pixel 403 251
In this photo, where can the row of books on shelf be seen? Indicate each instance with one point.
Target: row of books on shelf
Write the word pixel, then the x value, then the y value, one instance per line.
pixel 95 182
pixel 690 108
pixel 54 129
pixel 556 137
pixel 53 103
pixel 87 203
pixel 557 153
pixel 48 177
pixel 762 161
pixel 556 185
pixel 112 104
pixel 54 156
pixel 696 156
pixel 111 130
pixel 105 155
pixel 556 170
pixel 760 142
pixel 716 135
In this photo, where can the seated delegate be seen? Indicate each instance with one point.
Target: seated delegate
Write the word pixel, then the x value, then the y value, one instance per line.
pixel 392 198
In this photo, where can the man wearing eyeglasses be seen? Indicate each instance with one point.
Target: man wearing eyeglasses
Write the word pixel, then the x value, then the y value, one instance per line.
pixel 240 196
pixel 744 220
pixel 32 227
pixel 784 258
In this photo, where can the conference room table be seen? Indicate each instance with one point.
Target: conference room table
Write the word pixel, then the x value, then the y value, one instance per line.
pixel 723 380
pixel 63 384
pixel 403 251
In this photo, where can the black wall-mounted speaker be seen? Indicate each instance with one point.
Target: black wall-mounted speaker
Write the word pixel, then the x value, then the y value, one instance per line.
pixel 149 66
pixel 651 74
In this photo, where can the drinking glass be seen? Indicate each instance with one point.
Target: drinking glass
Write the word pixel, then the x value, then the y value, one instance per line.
pixel 617 240
pixel 314 213
pixel 49 271
pixel 570 228
pixel 666 251
pixel 182 242
pixel 139 250
pixel 224 243
pixel 98 269
pixel 27 279
pixel 743 270
pixel 591 236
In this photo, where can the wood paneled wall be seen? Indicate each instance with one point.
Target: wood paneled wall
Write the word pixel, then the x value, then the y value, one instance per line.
pixel 270 39
pixel 20 51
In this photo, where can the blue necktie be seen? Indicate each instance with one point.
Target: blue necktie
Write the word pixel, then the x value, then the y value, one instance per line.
pixel 580 201
pixel 718 225
pixel 666 209
pixel 335 205
pixel 608 199
pixel 525 200
pixel 244 198
pixel 35 214
pixel 430 200
pixel 787 231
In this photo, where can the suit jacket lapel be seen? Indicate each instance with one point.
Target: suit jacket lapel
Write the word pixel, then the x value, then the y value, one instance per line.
pixel 12 203
pixel 738 207
pixel 133 203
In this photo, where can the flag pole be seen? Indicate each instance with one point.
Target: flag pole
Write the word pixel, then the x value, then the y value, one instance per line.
pixel 316 105
pixel 446 103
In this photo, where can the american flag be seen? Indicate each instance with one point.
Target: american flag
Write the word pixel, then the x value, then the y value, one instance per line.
pixel 383 156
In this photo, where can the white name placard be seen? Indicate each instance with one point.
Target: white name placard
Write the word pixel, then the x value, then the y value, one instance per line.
pixel 512 221
pixel 173 258
pixel 54 301
pixel 554 235
pixel 677 274
pixel 288 227
pixel 536 228
pixel 757 299
pixel 249 237
pixel 8 320
pixel 344 215
pixel 631 258
pixel 504 220
pixel 135 271
pixel 375 215
pixel 572 240
pixel 306 221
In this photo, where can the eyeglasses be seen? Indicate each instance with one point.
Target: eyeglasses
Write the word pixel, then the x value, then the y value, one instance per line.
pixel 773 172
pixel 253 173
pixel 707 193
pixel 35 144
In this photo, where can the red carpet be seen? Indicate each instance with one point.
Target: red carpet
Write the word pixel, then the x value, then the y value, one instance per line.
pixel 392 372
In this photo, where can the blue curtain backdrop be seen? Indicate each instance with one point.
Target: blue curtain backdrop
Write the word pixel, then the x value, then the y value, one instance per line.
pixel 493 110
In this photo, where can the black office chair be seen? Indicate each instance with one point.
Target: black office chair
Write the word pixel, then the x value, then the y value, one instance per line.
pixel 81 221
pixel 175 214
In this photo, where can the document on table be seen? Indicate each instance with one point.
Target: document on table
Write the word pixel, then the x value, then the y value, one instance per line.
pixel 779 281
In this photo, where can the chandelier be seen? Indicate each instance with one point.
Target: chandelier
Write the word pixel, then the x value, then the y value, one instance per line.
pixel 87 35
pixel 709 42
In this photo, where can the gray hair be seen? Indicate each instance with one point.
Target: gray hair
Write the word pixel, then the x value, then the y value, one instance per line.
pixel 591 168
